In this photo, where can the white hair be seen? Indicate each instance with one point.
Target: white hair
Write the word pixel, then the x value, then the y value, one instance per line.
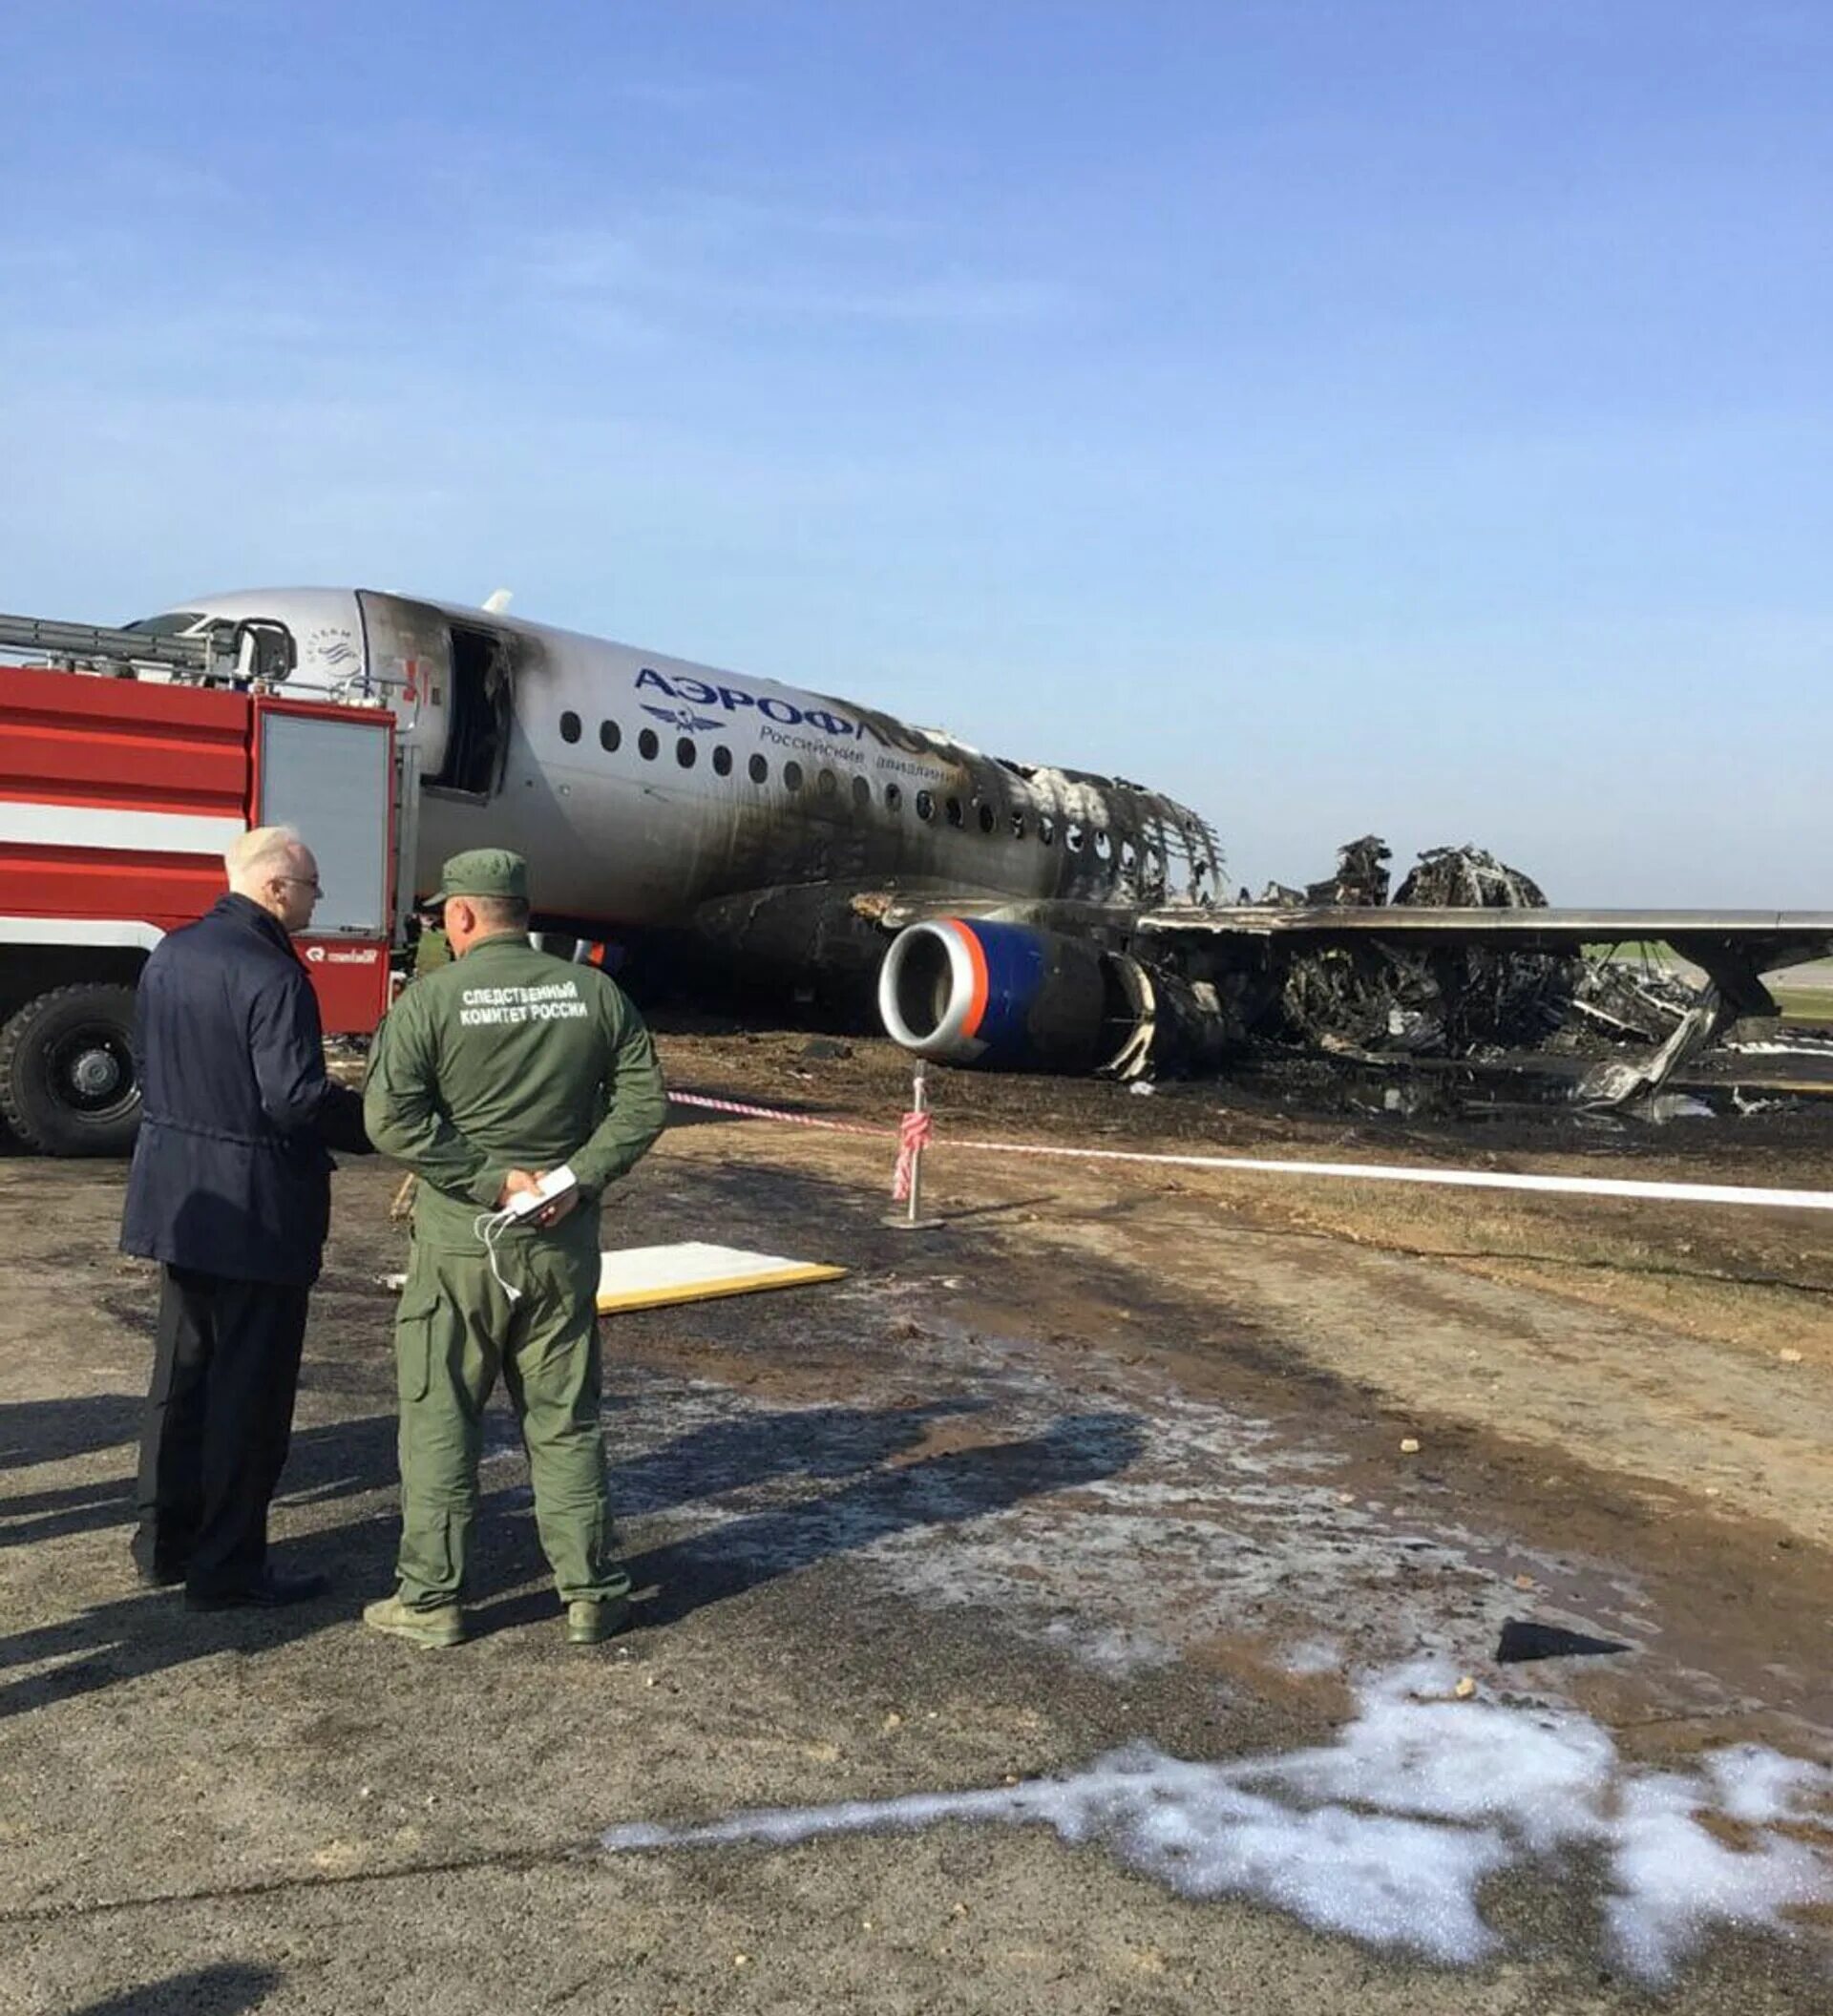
pixel 262 851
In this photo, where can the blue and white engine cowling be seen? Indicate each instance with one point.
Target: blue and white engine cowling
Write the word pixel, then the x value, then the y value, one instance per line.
pixel 1011 997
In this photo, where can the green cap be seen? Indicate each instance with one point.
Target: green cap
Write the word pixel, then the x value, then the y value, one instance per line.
pixel 483 872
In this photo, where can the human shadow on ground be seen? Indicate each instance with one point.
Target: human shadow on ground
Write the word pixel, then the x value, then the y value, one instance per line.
pixel 344 1459
pixel 333 1459
pixel 31 1516
pixel 223 1990
pixel 949 1489
pixel 749 1449
pixel 151 1631
pixel 53 1431
pixel 148 1632
pixel 752 1448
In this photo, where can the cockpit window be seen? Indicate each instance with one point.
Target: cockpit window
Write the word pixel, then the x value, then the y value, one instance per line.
pixel 174 624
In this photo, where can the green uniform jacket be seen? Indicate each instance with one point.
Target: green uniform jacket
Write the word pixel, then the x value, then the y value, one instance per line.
pixel 509 1059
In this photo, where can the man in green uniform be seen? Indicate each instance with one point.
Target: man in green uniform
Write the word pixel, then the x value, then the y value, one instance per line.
pixel 488 1075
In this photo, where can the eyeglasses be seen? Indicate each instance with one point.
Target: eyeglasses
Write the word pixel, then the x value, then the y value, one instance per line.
pixel 310 882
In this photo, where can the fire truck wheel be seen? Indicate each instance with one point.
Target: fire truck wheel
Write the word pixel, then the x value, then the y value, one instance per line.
pixel 67 1085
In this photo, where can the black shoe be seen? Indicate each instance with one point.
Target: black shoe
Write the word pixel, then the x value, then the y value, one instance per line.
pixel 266 1592
pixel 161 1575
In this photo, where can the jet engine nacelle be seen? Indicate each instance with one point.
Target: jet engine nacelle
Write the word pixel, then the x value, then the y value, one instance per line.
pixel 967 992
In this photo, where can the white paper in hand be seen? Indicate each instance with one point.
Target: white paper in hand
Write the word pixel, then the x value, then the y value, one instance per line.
pixel 554 1184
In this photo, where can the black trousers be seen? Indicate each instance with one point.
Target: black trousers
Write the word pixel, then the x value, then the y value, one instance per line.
pixel 218 1416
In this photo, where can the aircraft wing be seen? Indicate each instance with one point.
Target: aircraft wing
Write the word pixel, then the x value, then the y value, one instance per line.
pixel 1761 940
pixel 1774 937
pixel 1733 946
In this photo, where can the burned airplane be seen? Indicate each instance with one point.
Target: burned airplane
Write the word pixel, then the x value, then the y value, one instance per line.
pixel 999 914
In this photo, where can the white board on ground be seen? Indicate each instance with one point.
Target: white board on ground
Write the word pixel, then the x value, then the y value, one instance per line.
pixel 652 1276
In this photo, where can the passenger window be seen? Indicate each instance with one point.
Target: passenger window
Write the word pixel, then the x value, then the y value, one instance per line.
pixel 953 809
pixel 1046 828
pixel 862 793
pixel 827 784
pixel 648 744
pixel 721 760
pixel 925 805
pixel 760 770
pixel 791 776
pixel 1103 846
pixel 570 726
pixel 893 796
pixel 610 735
pixel 686 752
pixel 986 818
pixel 1018 826
pixel 1072 837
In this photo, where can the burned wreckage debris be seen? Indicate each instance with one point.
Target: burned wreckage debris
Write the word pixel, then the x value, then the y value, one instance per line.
pixel 1458 1000
pixel 1364 990
pixel 1103 969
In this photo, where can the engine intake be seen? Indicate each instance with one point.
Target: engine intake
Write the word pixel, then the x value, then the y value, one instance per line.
pixel 1009 997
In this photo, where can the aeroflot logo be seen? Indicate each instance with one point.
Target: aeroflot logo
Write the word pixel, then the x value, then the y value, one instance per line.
pixel 773 707
pixel 681 717
pixel 335 647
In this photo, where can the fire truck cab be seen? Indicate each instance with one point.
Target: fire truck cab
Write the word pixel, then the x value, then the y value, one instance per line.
pixel 129 761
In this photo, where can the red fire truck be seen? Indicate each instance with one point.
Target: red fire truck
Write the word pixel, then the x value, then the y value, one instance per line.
pixel 128 763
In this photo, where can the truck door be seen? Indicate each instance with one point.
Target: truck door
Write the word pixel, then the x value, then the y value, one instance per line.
pixel 330 772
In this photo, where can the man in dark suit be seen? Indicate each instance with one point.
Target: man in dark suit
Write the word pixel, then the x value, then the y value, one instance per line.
pixel 230 1189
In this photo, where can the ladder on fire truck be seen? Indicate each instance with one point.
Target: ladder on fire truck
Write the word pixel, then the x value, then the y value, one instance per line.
pixel 225 654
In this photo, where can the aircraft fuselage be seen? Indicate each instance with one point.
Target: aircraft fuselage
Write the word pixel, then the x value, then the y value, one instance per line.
pixel 650 793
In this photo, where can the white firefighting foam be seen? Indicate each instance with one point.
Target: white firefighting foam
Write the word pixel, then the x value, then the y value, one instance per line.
pixel 1388 1834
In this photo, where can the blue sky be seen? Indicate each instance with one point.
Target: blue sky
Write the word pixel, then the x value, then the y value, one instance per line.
pixel 1413 417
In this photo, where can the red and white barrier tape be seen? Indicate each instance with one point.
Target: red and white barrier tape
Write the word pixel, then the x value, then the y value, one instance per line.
pixel 1466 1179
pixel 913 1136
pixel 916 1130
pixel 795 1119
pixel 913 1132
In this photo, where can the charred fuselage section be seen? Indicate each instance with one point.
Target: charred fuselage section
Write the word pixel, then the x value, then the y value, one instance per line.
pixel 898 821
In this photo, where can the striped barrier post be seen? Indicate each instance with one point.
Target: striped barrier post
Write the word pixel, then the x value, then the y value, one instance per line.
pixel 907 1180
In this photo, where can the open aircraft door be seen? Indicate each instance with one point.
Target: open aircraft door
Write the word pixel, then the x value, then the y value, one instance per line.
pixel 449 683
pixel 410 653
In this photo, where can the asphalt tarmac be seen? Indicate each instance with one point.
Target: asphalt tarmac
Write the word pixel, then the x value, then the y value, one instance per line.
pixel 1112 1463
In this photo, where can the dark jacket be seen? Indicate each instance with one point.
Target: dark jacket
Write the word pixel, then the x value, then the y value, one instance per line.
pixel 232 1168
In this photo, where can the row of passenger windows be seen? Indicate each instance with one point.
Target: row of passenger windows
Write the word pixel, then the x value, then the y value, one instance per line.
pixel 827 785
